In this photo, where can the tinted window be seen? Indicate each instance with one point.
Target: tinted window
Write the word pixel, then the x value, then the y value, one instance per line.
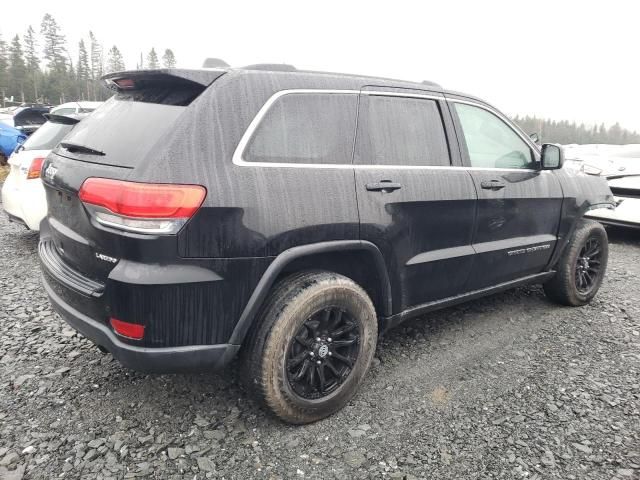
pixel 400 131
pixel 47 136
pixel 306 128
pixel 491 143
pixel 125 131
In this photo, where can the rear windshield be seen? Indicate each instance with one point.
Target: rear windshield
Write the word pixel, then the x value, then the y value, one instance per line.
pixel 124 129
pixel 47 136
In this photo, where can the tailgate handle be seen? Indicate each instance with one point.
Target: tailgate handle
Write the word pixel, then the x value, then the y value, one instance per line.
pixel 492 185
pixel 383 186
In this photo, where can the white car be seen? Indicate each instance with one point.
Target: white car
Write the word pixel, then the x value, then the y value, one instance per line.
pixel 23 195
pixel 626 190
pixel 620 164
pixel 75 108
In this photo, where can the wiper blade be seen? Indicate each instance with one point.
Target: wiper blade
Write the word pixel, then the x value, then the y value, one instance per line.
pixel 72 147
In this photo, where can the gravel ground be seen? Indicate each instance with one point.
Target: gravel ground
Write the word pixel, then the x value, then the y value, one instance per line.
pixel 510 386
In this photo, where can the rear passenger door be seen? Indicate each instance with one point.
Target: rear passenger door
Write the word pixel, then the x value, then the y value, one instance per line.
pixel 413 204
pixel 518 204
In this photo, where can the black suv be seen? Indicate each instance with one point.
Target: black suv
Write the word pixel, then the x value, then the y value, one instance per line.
pixel 289 217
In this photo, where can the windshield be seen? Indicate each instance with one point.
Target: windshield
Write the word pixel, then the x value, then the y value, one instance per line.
pixel 47 136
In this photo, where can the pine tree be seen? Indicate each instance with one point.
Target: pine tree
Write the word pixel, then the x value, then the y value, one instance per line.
pixel 30 50
pixel 152 60
pixel 565 132
pixel 33 62
pixel 96 57
pixel 54 45
pixel 115 62
pixel 4 71
pixel 17 68
pixel 82 68
pixel 168 59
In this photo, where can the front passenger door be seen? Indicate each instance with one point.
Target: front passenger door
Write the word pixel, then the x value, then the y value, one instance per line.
pixel 519 205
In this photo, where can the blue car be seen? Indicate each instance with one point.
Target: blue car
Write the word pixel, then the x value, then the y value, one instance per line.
pixel 10 138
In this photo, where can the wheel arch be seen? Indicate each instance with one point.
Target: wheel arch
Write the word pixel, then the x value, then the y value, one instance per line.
pixel 326 256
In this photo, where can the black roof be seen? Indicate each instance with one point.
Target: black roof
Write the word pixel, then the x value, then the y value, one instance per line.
pixel 205 76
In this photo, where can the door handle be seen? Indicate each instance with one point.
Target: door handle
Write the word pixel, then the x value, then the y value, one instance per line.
pixel 492 185
pixel 383 186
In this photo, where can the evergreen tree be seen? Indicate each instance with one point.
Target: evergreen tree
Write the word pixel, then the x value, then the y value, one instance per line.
pixel 152 60
pixel 30 50
pixel 563 132
pixel 82 69
pixel 96 57
pixel 115 62
pixel 168 59
pixel 4 71
pixel 54 45
pixel 32 61
pixel 17 69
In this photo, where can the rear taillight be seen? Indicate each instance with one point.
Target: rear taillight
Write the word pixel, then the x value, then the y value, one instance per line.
pixel 35 168
pixel 134 331
pixel 141 207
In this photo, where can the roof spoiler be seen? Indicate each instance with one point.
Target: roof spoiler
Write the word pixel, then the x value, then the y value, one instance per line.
pixel 71 119
pixel 118 80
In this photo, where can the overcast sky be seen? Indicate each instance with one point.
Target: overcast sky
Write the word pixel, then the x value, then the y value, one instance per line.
pixel 576 60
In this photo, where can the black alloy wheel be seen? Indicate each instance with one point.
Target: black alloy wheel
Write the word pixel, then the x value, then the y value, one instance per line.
pixel 323 353
pixel 588 265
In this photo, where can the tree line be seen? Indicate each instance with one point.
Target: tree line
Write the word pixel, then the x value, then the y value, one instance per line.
pixel 39 68
pixel 564 132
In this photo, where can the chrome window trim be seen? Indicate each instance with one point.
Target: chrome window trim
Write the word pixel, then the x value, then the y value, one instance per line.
pixel 253 125
pixel 239 151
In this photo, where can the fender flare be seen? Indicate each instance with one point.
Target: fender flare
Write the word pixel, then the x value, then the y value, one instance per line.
pixel 267 280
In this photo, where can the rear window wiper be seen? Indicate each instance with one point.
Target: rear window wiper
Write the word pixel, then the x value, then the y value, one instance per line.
pixel 72 147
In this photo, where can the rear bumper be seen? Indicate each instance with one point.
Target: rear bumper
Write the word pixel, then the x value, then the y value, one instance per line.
pixel 157 360
pixel 24 201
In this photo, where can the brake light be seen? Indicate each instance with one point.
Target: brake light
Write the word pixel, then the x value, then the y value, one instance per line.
pixel 35 168
pixel 141 207
pixel 133 331
pixel 125 83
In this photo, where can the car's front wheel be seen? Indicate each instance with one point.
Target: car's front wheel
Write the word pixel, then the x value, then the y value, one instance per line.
pixel 314 342
pixel 581 268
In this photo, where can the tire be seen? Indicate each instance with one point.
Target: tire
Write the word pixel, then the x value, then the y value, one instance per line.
pixel 298 306
pixel 566 287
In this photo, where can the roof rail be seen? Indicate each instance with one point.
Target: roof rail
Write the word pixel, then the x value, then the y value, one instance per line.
pixel 214 63
pixel 431 84
pixel 273 67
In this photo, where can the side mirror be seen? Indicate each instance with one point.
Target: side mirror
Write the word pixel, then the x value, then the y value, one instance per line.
pixel 552 156
pixel 535 138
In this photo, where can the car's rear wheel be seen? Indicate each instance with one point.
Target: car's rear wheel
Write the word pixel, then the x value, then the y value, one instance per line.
pixel 314 343
pixel 581 268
